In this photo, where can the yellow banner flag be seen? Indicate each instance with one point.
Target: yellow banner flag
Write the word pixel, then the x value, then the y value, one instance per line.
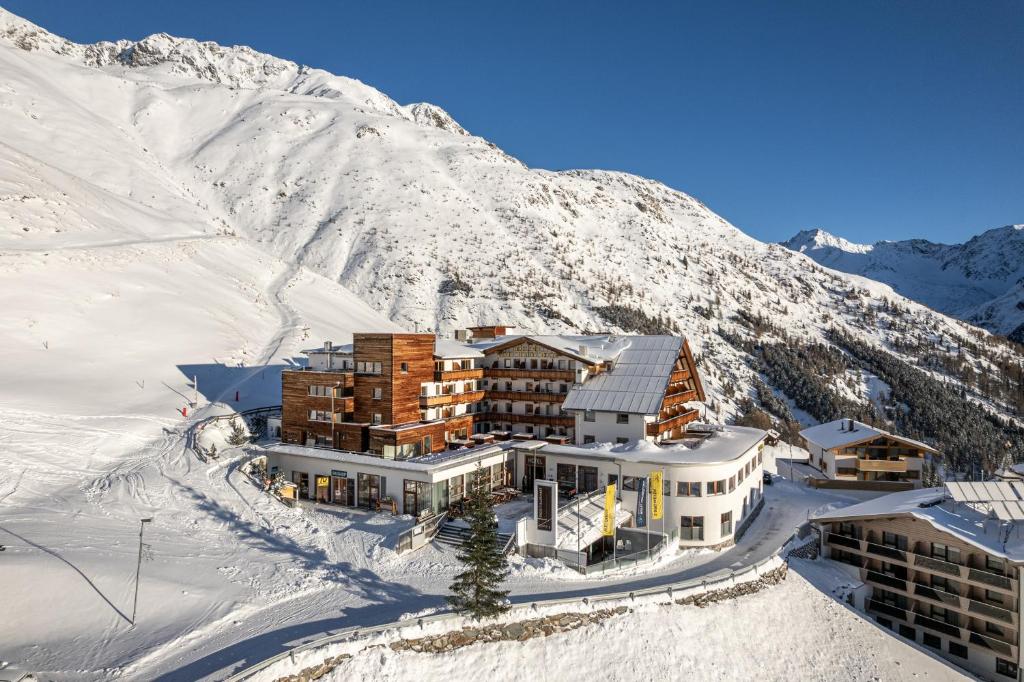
pixel 608 527
pixel 657 499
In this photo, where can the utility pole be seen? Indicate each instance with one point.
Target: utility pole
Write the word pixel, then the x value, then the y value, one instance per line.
pixel 195 391
pixel 138 567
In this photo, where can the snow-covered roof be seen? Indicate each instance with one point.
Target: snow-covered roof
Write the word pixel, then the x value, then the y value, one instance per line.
pixel 725 445
pixel 635 383
pixel 446 348
pixel 837 434
pixel 934 505
pixel 338 349
pixel 598 348
pixel 424 463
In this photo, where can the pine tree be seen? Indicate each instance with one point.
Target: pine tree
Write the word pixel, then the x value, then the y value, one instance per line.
pixel 238 435
pixel 476 590
pixel 212 452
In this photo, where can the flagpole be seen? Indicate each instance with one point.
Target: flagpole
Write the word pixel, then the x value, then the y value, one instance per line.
pixel 647 521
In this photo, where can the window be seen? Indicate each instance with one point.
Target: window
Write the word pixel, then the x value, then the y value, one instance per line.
pixel 561 364
pixel 716 487
pixel 688 489
pixel 629 482
pixel 931 640
pixel 427 443
pixel 621 418
pixel 378 393
pixel 587 440
pixel 508 407
pixel 908 632
pixel 691 528
pixel 363 367
pixel 1008 668
pixel 613 479
pixel 378 418
pixel 945 615
pixel 941 551
pixel 405 368
pixel 894 540
pixel 588 416
pixel 322 391
pixel 621 441
pixel 732 483
pixel 666 487
pixel 508 363
pixel 319 416
pixel 508 385
pixel 993 596
pixel 726 524
pixel 940 583
pixel 993 629
pixel 958 650
pixel 993 564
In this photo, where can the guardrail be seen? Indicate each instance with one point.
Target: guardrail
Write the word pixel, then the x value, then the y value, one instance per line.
pixel 420 534
pixel 712 580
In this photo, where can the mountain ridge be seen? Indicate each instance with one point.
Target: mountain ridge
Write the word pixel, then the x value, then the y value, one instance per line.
pixel 977 281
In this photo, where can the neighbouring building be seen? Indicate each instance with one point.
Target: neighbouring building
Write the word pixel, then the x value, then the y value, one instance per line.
pixel 940 567
pixel 846 449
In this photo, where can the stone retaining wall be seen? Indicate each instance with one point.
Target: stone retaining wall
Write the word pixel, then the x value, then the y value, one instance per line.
pixel 537 627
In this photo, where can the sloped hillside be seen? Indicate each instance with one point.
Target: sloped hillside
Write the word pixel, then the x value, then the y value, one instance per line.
pixel 432 226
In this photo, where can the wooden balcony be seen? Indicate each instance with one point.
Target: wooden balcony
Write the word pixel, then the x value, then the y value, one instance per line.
pixel 678 375
pixel 539 419
pixel 677 421
pixel 882 465
pixel 451 399
pixel 674 399
pixel 532 396
pixel 459 374
pixel 540 374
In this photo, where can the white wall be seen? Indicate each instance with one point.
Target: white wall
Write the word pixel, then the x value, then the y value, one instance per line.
pixel 606 429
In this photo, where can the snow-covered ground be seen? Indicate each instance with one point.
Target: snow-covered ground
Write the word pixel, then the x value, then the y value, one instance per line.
pixel 796 630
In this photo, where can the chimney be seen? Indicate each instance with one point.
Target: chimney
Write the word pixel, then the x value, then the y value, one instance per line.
pixel 851 426
pixel 327 346
pixel 583 350
pixel 462 335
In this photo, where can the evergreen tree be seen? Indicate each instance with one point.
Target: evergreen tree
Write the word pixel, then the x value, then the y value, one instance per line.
pixel 238 435
pixel 476 590
pixel 212 452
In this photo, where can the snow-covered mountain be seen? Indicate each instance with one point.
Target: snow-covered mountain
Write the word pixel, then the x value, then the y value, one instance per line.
pixel 979 281
pixel 168 141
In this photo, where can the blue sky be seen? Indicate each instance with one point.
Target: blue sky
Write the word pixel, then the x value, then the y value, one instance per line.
pixel 873 120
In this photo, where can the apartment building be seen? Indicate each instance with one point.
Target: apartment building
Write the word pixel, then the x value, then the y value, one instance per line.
pixel 846 449
pixel 939 566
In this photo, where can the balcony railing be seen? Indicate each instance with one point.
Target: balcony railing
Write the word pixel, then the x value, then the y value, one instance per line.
pixel 991 611
pixel 996 645
pixel 451 398
pixel 459 374
pixel 937 625
pixel 658 428
pixel 937 565
pixel 535 396
pixel 987 578
pixel 937 595
pixel 887 580
pixel 521 373
pixel 887 609
pixel 882 465
pixel 843 540
pixel 887 552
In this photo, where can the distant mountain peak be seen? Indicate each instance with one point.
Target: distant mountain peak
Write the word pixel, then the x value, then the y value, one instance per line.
pixel 817 238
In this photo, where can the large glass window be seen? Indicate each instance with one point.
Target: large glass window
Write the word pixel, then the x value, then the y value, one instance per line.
pixel 726 524
pixel 456 487
pixel 691 528
pixel 565 474
pixel 371 489
pixel 716 487
pixel 417 498
pixel 587 479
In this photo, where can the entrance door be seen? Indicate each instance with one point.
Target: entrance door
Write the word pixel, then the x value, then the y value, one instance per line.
pixel 535 469
pixel 343 490
pixel 301 479
pixel 588 479
pixel 369 490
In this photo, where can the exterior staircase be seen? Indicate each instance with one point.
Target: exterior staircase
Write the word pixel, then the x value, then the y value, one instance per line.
pixel 457 535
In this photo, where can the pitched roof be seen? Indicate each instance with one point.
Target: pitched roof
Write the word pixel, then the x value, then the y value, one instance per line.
pixel 835 434
pixel 636 382
pixel 590 349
